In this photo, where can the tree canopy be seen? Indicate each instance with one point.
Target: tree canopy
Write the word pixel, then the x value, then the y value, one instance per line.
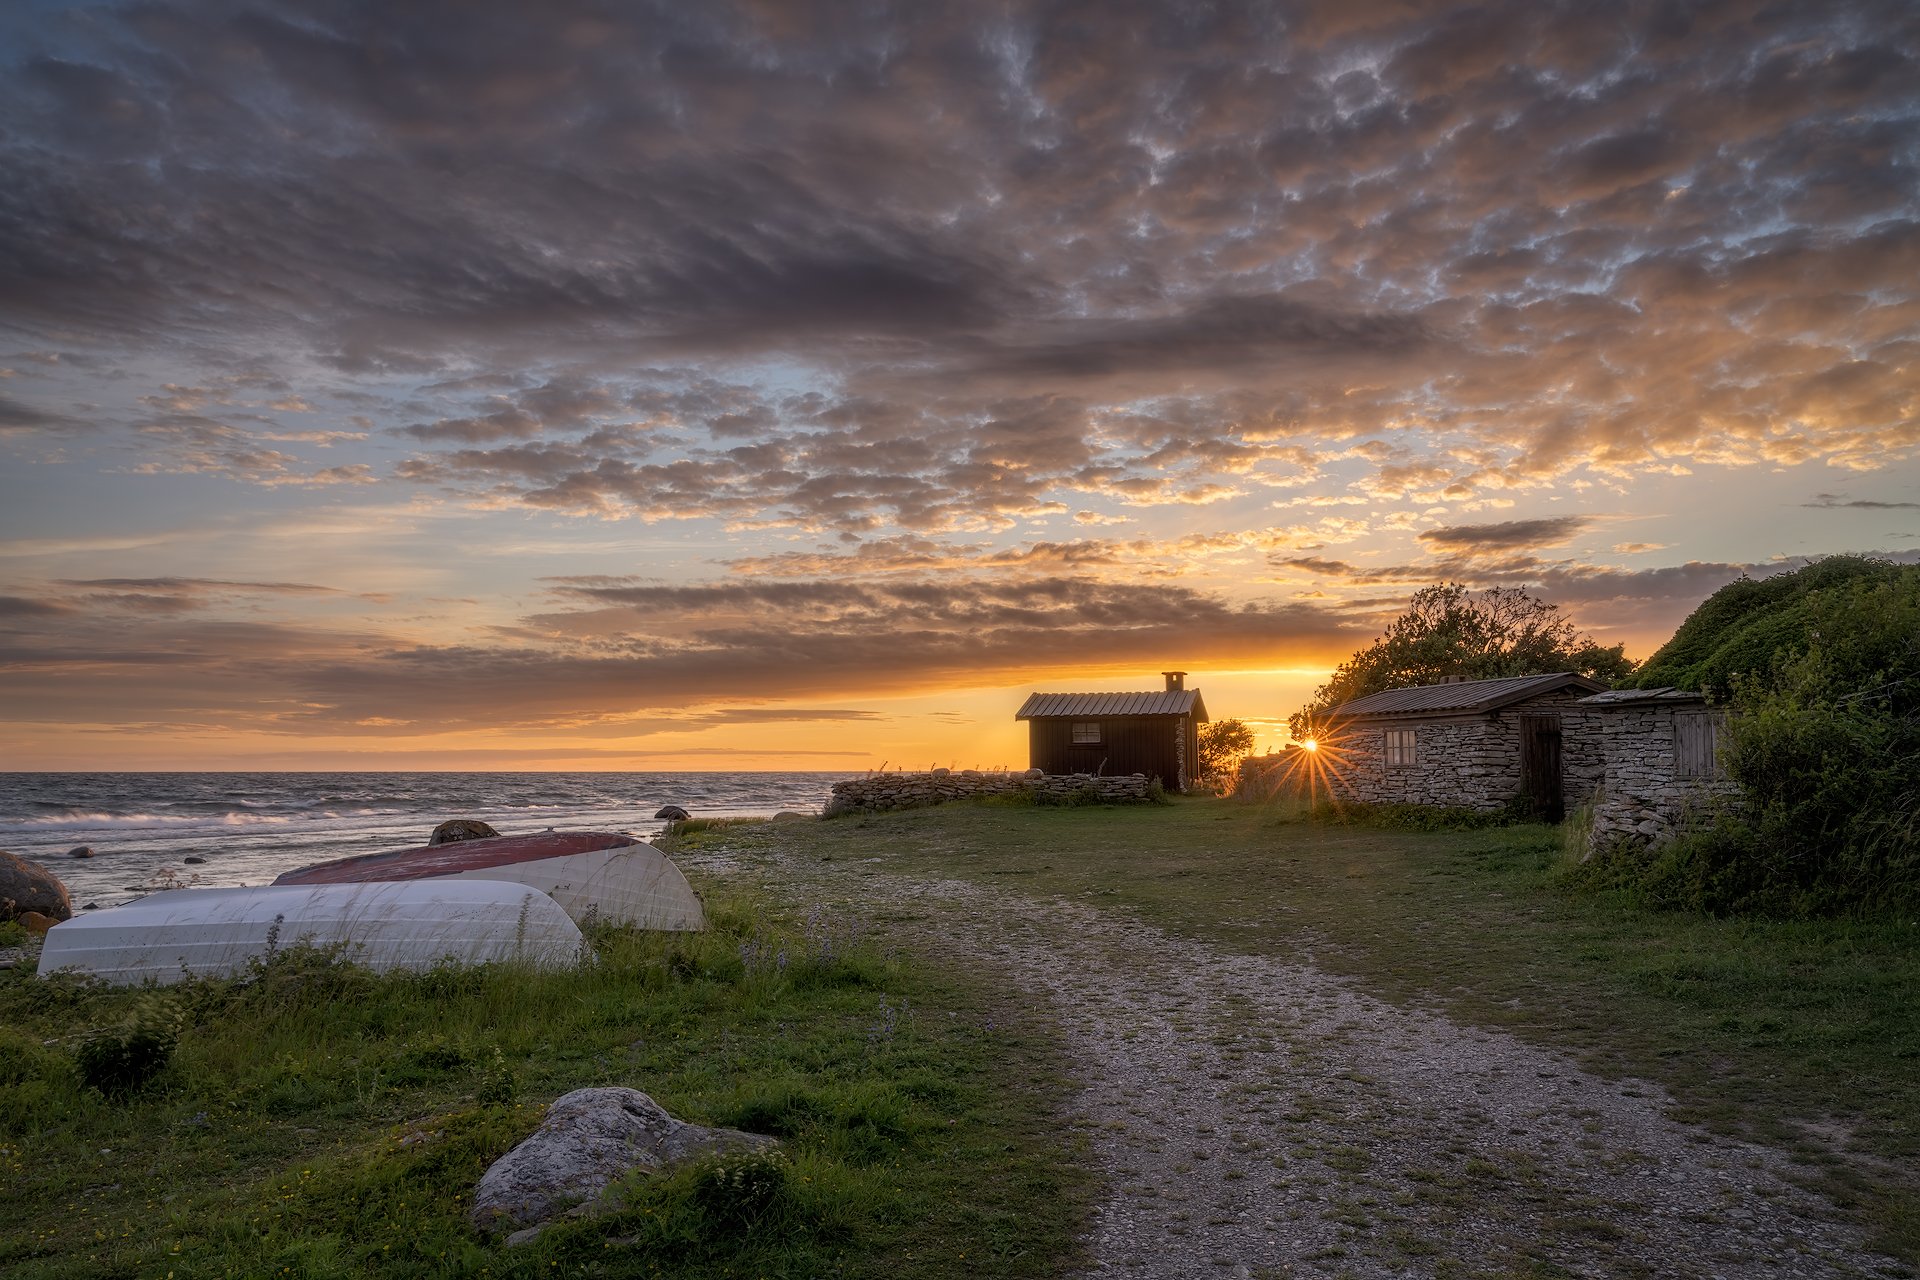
pixel 1448 630
pixel 1222 743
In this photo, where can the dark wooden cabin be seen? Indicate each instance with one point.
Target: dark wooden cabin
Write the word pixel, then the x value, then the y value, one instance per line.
pixel 1157 734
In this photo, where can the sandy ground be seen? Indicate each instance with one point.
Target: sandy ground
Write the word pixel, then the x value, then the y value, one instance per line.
pixel 1258 1117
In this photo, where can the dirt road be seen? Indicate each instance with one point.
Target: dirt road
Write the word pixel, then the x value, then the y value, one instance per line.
pixel 1258 1117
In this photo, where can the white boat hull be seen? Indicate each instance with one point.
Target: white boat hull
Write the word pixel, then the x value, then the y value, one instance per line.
pixel 413 925
pixel 637 886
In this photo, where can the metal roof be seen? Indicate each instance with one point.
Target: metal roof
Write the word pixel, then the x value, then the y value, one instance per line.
pixel 1640 697
pixel 1465 695
pixel 1164 702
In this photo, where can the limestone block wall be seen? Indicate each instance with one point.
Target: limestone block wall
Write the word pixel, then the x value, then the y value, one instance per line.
pixel 884 791
pixel 1643 799
pixel 1472 763
pixel 1469 761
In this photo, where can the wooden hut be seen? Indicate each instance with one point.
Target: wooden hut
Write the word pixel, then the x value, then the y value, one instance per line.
pixel 1157 734
pixel 1477 744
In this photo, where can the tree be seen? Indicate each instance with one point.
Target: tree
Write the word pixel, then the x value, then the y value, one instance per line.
pixel 1449 631
pixel 1222 744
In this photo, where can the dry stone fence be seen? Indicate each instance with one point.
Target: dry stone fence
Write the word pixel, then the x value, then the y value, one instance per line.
pixel 881 791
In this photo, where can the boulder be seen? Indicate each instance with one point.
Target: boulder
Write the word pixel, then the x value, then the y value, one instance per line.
pixel 590 1139
pixel 193 860
pixel 1034 775
pixel 82 851
pixel 788 815
pixel 672 813
pixel 28 886
pixel 457 829
pixel 34 922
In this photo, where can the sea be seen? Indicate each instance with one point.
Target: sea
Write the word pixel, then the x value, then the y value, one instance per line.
pixel 150 831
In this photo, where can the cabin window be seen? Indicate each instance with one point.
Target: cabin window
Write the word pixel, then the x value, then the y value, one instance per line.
pixel 1086 733
pixel 1399 748
pixel 1694 743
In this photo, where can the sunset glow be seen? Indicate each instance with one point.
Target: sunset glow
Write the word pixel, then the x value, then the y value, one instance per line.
pixel 775 388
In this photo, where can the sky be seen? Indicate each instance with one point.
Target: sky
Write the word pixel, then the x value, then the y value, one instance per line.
pixel 797 386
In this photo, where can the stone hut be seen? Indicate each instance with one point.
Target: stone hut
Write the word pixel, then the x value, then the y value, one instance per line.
pixel 1476 744
pixel 1661 753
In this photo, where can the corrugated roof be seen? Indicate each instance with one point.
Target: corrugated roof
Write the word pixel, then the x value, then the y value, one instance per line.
pixel 1164 702
pixel 1467 695
pixel 1637 697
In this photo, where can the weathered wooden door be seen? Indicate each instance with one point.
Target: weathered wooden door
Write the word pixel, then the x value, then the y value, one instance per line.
pixel 1540 765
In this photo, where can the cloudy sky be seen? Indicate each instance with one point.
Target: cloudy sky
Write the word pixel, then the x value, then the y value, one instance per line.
pixel 788 385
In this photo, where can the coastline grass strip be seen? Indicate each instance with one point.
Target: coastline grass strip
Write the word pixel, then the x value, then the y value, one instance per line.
pixel 317 1120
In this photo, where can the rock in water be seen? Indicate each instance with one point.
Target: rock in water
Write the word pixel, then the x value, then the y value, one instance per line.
pixel 591 1138
pixel 455 829
pixel 28 886
pixel 672 813
pixel 83 851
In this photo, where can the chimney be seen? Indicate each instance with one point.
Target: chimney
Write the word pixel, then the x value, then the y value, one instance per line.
pixel 1176 680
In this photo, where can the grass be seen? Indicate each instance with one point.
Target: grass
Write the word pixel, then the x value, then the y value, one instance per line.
pixel 1804 1035
pixel 317 1120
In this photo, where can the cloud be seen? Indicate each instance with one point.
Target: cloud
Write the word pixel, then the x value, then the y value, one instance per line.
pixel 1506 536
pixel 621 649
pixel 1830 501
pixel 18 419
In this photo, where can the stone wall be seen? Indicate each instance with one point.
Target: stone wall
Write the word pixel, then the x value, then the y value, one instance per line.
pixel 1470 761
pixel 1642 799
pixel 882 791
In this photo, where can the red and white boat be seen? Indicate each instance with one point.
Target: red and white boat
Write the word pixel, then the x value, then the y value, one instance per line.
pixel 594 875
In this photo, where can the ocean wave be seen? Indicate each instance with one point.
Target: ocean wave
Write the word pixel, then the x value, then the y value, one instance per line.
pixel 74 818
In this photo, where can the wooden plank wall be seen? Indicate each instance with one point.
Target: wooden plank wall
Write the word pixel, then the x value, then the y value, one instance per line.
pixel 1128 744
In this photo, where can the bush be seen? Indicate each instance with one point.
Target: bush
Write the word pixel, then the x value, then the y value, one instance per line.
pixel 736 1191
pixel 126 1058
pixel 1825 747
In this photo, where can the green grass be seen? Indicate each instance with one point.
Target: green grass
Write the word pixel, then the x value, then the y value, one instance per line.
pixel 318 1120
pixel 1800 1034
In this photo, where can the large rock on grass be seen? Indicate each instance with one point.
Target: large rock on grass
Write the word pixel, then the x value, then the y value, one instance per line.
pixel 672 813
pixel 29 887
pixel 590 1139
pixel 457 829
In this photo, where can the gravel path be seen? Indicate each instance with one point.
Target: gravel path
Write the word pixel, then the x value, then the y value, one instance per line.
pixel 1258 1117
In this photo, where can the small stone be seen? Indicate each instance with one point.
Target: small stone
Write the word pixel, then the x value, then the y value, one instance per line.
pixel 193 860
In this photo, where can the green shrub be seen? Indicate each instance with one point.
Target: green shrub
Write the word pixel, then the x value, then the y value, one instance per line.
pixel 499 1085
pixel 126 1058
pixel 1824 743
pixel 738 1190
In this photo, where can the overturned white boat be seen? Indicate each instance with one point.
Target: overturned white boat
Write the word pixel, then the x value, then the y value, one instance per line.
pixel 636 886
pixel 592 875
pixel 415 925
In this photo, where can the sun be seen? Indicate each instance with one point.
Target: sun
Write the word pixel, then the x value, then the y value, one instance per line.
pixel 1311 745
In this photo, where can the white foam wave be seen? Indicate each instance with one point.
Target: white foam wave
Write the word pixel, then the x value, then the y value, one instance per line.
pixel 135 820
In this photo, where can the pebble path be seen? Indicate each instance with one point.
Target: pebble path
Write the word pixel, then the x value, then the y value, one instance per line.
pixel 1257 1117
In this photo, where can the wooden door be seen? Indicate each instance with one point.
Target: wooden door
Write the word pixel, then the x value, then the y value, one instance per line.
pixel 1540 765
